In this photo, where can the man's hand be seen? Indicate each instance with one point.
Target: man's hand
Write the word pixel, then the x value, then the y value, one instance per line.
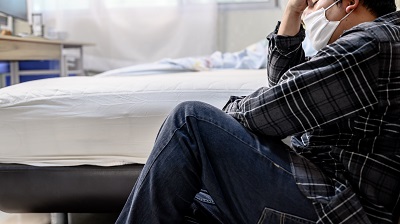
pixel 297 6
pixel 291 20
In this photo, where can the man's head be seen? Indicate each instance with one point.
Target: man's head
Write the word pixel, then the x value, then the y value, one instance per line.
pixel 349 12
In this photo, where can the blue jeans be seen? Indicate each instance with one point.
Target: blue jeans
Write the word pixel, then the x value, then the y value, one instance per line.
pixel 248 177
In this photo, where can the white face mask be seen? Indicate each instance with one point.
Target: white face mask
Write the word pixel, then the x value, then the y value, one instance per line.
pixel 319 29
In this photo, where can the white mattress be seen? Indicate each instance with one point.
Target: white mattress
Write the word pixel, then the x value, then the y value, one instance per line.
pixel 103 121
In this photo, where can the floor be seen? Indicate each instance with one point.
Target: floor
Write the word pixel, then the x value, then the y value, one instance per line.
pixel 6 218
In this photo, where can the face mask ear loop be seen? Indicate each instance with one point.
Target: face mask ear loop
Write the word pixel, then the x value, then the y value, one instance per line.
pixel 347 15
pixel 331 7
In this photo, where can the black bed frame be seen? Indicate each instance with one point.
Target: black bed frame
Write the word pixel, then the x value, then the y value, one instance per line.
pixel 63 190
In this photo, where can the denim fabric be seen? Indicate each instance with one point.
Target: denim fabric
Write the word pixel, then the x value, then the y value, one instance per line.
pixel 246 176
pixel 204 210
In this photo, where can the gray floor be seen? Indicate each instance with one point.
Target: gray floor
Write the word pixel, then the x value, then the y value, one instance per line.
pixel 74 218
pixel 93 218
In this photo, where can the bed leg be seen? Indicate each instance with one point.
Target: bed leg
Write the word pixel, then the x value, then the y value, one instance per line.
pixel 59 218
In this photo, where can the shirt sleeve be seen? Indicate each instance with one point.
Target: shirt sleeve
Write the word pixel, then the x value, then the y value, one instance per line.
pixel 336 83
pixel 284 53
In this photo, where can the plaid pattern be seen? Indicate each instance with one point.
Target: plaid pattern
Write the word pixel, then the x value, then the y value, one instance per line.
pixel 342 108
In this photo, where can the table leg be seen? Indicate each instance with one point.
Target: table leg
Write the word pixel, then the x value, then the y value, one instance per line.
pixel 14 72
pixel 80 66
pixel 63 65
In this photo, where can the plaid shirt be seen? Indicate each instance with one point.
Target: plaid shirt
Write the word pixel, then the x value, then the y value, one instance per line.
pixel 342 108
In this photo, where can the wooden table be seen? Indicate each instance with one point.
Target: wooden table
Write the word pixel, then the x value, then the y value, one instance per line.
pixel 16 49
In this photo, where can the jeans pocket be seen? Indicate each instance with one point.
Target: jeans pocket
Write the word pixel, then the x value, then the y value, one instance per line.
pixel 271 216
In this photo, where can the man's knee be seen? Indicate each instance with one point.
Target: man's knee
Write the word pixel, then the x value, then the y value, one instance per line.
pixel 192 105
pixel 189 108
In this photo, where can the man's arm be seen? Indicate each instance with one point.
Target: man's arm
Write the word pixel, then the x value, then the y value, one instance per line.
pixel 336 84
pixel 285 52
pixel 285 42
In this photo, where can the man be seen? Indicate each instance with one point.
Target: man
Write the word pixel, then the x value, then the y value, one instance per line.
pixel 342 107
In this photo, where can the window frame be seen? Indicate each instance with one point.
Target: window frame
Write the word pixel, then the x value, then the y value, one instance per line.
pixel 248 5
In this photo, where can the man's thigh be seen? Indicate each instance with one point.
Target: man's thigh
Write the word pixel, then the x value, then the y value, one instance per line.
pixel 248 176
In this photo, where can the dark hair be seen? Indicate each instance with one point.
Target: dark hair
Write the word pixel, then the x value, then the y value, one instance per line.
pixel 379 7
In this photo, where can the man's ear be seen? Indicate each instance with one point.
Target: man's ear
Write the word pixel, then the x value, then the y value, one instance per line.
pixel 352 5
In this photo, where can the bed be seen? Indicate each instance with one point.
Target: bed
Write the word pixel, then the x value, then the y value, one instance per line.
pixel 77 144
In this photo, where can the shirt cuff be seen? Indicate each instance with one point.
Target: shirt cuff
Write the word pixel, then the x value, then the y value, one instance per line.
pixel 286 43
pixel 231 105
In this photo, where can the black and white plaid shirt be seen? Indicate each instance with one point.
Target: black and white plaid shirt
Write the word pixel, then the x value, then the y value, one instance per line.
pixel 343 108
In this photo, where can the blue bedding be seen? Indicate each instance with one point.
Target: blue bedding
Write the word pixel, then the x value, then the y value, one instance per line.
pixel 251 57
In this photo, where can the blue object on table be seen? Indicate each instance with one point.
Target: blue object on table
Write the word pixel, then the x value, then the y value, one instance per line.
pixel 29 66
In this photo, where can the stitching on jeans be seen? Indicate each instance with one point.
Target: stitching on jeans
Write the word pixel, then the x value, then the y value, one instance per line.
pixel 157 155
pixel 201 119
pixel 204 200
pixel 236 137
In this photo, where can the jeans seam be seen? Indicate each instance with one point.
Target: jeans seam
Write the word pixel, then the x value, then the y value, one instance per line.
pixel 204 200
pixel 254 149
pixel 216 125
pixel 158 154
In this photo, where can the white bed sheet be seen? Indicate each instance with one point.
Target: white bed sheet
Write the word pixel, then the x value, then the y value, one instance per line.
pixel 103 121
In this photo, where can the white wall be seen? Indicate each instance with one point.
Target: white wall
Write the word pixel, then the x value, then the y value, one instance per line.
pixel 239 28
pixel 236 28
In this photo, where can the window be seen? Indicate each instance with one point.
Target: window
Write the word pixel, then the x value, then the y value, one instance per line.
pixel 243 1
pixel 134 3
pixel 246 4
pixel 44 5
